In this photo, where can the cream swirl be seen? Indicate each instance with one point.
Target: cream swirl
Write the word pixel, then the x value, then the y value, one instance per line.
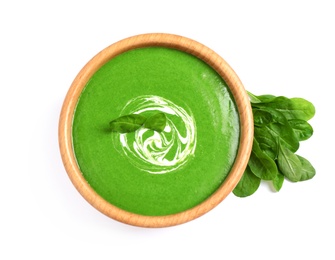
pixel 158 152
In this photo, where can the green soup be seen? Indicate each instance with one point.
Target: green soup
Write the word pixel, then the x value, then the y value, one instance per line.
pixel 146 172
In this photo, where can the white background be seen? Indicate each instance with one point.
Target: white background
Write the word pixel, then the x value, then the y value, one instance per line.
pixel 276 47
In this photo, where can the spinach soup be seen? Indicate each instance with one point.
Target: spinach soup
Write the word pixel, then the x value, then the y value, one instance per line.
pixel 148 172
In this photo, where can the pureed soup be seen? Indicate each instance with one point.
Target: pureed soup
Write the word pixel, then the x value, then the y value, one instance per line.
pixel 147 172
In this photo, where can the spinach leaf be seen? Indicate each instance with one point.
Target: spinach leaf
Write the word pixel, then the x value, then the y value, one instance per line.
pixel 278 181
pixel 302 109
pixel 294 108
pixel 266 98
pixel 127 123
pixel 262 117
pixel 156 122
pixel 289 164
pixel 285 134
pixel 247 185
pixel 307 170
pixel 302 129
pixel 261 164
pixel 260 99
pixel 130 123
pixel 253 98
pixel 266 115
pixel 266 141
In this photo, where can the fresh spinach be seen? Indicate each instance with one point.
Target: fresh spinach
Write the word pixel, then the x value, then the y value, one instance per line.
pixel 156 122
pixel 302 129
pixel 294 108
pixel 284 133
pixel 262 117
pixel 266 115
pixel 278 181
pixel 280 124
pixel 132 122
pixel 260 99
pixel 307 169
pixel 248 184
pixel 127 123
pixel 289 164
pixel 261 164
pixel 267 142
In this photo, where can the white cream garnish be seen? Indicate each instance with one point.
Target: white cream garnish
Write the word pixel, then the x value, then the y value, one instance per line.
pixel 158 152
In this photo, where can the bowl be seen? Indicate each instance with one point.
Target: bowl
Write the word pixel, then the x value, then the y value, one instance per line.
pixel 174 42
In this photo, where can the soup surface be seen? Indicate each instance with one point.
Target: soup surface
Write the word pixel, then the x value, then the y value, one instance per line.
pixel 148 172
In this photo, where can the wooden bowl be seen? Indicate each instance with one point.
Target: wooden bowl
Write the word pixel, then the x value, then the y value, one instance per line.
pixel 185 45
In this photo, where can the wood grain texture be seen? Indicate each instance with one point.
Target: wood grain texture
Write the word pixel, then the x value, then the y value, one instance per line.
pixel 165 40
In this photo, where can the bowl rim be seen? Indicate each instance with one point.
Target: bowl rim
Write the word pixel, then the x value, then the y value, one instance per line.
pixel 169 41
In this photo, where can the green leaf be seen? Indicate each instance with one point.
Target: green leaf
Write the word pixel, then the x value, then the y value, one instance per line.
pixel 127 123
pixel 260 99
pixel 285 134
pixel 156 122
pixel 253 98
pixel 307 170
pixel 267 142
pixel 261 164
pixel 302 129
pixel 262 117
pixel 289 164
pixel 248 184
pixel 266 98
pixel 302 109
pixel 267 115
pixel 294 108
pixel 278 181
